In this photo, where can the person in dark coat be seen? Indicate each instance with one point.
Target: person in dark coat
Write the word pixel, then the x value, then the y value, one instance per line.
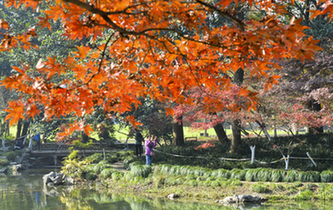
pixel 138 142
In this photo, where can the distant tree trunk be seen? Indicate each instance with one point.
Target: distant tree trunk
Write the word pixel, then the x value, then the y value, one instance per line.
pixel 221 134
pixel 178 131
pixel 85 137
pixel 7 128
pixel 236 136
pixel 236 125
pixel 25 129
pixel 19 128
pixel 315 106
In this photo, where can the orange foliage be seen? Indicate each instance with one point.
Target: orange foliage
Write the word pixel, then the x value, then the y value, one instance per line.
pixel 205 145
pixel 149 54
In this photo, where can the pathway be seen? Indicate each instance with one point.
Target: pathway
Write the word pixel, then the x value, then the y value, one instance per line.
pixel 119 166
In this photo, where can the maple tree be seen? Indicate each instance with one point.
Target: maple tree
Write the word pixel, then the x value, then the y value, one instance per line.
pixel 158 49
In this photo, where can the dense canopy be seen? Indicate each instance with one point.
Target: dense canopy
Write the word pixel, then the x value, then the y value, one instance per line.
pixel 152 48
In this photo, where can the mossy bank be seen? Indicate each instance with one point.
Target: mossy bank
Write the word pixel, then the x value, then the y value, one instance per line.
pixel 199 183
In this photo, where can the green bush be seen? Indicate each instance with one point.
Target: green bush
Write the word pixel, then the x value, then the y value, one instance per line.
pixel 117 175
pixel 91 176
pixel 140 170
pixel 201 178
pixel 251 175
pixel 277 175
pixel 191 177
pixel 96 157
pixel 100 166
pixel 107 172
pixel 259 188
pixel 309 176
pixel 192 183
pixel 221 173
pixel 211 178
pixel 235 182
pixel 11 155
pixel 171 181
pixel 264 174
pixel 159 180
pixel 304 195
pixel 238 174
pixel 4 162
pixel 326 176
pixel 291 176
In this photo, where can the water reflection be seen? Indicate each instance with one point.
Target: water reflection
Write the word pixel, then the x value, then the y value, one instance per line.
pixel 26 192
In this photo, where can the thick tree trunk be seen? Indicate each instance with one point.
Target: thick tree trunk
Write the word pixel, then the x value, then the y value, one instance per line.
pixel 178 131
pixel 19 128
pixel 314 106
pixel 25 129
pixel 236 125
pixel 221 134
pixel 236 136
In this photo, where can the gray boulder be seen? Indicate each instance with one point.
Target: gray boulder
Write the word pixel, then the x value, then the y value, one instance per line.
pixel 241 199
pixel 54 178
pixel 173 196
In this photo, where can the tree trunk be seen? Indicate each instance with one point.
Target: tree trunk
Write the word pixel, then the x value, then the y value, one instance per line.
pixel 221 134
pixel 19 128
pixel 85 137
pixel 178 131
pixel 236 125
pixel 25 129
pixel 236 136
pixel 314 106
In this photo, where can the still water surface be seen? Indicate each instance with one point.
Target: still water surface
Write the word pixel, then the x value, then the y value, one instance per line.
pixel 26 192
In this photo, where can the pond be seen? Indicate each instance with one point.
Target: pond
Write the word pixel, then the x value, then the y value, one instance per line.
pixel 25 191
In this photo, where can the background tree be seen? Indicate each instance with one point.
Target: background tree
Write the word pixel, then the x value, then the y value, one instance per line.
pixel 142 58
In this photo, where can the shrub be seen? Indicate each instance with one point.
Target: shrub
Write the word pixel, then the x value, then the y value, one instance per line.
pixel 171 181
pixel 326 176
pixel 238 174
pixel 251 175
pixel 140 170
pixel 304 195
pixel 90 168
pixel 211 178
pixel 100 166
pixel 215 184
pixel 264 174
pixel 128 161
pixel 191 177
pixel 221 173
pixel 117 175
pixel 192 183
pixel 180 180
pixel 96 157
pixel 309 176
pixel 11 155
pixel 259 188
pixel 107 172
pixel 291 176
pixel 235 182
pixel 91 176
pixel 4 162
pixel 277 175
pixel 201 178
pixel 159 181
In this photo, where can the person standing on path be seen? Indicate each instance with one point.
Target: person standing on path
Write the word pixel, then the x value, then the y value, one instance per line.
pixel 150 144
pixel 138 142
pixel 37 139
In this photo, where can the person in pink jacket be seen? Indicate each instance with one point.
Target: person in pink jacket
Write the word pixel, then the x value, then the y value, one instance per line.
pixel 150 143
